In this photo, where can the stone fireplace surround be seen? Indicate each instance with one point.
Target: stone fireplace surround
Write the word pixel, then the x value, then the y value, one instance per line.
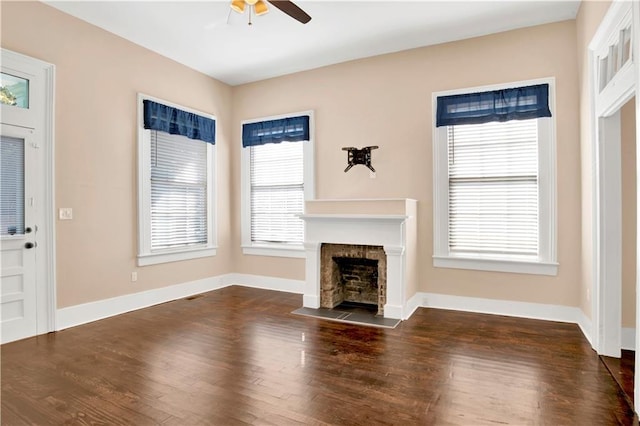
pixel 389 224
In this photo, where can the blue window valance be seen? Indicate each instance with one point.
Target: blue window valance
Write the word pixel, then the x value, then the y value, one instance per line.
pixel 290 129
pixel 519 103
pixel 177 122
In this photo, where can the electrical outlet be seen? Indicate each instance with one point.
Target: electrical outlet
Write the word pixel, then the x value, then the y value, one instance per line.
pixel 65 213
pixel 134 276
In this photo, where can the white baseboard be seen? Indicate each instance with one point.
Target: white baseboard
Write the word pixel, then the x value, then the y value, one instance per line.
pixel 502 307
pixel 585 325
pixel 265 283
pixel 413 304
pixel 310 301
pixel 93 311
pixel 509 308
pixel 393 311
pixel 628 338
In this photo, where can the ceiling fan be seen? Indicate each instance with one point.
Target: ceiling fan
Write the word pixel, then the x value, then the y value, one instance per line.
pixel 260 8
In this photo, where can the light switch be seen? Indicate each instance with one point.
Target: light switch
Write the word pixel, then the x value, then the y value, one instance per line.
pixel 65 213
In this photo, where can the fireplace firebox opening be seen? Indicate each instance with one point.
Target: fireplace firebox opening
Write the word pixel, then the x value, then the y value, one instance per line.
pixel 353 275
pixel 357 280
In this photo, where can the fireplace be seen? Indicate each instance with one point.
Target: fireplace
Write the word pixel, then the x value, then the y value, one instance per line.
pixel 353 274
pixel 361 251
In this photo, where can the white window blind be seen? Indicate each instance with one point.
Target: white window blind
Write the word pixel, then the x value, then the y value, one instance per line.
pixel 277 193
pixel 11 186
pixel 178 191
pixel 493 187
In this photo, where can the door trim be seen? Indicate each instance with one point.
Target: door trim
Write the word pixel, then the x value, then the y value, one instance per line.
pixel 49 285
pixel 606 302
pixel 606 184
pixel 45 269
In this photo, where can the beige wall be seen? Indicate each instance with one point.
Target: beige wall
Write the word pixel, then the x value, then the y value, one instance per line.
pixel 97 78
pixel 629 225
pixel 386 101
pixel 589 17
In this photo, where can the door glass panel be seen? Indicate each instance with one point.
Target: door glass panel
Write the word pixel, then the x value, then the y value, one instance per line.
pixel 14 90
pixel 11 186
pixel 603 61
pixel 613 58
pixel 626 44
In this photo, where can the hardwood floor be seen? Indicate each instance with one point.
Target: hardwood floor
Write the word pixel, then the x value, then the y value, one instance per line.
pixel 237 356
pixel 622 369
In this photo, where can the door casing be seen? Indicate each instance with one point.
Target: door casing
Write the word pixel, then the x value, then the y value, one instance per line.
pixel 606 186
pixel 42 120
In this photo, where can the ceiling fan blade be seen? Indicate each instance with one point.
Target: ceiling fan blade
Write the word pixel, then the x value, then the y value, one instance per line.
pixel 292 10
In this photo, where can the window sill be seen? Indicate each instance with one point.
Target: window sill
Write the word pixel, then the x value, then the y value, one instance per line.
pixel 275 250
pixel 517 266
pixel 175 256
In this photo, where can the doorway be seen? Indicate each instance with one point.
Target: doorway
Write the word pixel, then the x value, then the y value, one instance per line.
pixel 614 76
pixel 622 369
pixel 27 271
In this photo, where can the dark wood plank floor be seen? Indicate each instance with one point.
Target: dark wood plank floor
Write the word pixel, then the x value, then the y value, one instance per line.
pixel 622 369
pixel 237 356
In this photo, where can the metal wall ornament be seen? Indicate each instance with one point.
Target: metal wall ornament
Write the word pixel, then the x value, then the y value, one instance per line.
pixel 357 156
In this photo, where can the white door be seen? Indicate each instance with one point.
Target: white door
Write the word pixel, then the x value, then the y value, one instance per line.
pixel 27 286
pixel 18 247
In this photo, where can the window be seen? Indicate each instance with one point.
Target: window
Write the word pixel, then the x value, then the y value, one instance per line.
pixel 11 186
pixel 277 177
pixel 494 180
pixel 176 183
pixel 615 59
pixel 277 193
pixel 14 91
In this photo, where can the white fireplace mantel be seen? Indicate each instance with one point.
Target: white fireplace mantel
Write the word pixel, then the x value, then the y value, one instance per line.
pixel 374 230
pixel 341 227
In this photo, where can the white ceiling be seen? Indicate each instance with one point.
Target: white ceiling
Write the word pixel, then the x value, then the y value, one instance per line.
pixel 204 36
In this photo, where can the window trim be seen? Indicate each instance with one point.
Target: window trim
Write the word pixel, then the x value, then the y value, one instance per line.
pixel 274 249
pixel 145 255
pixel 546 263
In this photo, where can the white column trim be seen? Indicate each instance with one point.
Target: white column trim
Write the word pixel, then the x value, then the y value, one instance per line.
pixel 49 323
pixel 394 308
pixel 636 54
pixel 311 298
pixel 609 278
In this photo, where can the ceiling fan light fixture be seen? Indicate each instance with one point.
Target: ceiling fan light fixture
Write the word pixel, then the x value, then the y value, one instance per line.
pixel 260 7
pixel 238 5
